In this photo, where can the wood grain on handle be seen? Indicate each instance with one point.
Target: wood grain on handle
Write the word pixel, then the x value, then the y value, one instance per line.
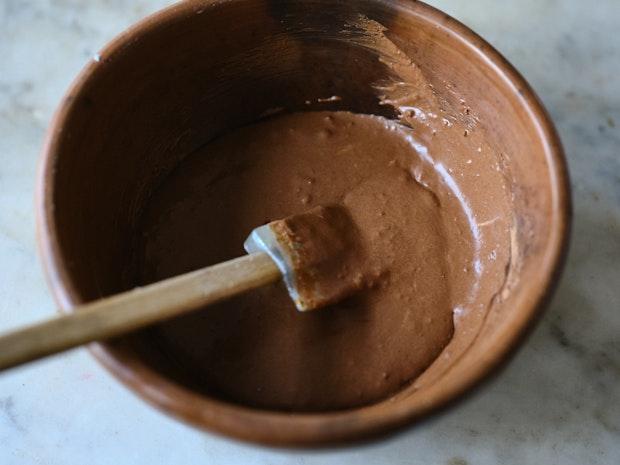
pixel 135 309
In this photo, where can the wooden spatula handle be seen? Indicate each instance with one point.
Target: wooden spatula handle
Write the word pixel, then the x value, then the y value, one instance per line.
pixel 140 307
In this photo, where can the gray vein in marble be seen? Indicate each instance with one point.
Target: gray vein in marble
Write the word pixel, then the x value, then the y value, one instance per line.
pixel 7 407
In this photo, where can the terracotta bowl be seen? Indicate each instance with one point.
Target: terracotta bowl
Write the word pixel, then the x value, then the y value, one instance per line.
pixel 182 76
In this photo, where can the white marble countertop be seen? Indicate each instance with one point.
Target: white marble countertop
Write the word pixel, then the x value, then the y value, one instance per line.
pixel 557 403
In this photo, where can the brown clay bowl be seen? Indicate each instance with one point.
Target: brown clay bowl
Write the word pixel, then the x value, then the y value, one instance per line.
pixel 174 81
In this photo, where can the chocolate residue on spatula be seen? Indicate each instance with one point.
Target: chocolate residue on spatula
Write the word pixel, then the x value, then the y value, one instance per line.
pixel 326 254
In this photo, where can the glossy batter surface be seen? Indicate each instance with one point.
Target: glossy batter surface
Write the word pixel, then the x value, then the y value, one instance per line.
pixel 257 349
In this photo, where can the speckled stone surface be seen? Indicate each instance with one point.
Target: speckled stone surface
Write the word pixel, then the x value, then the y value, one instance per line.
pixel 558 402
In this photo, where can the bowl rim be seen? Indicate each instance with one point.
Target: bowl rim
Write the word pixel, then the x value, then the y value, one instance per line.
pixel 303 429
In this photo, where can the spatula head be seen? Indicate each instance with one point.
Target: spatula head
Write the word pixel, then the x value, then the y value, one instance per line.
pixel 317 252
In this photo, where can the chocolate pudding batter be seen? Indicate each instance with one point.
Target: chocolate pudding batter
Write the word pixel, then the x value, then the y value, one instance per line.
pixel 257 349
